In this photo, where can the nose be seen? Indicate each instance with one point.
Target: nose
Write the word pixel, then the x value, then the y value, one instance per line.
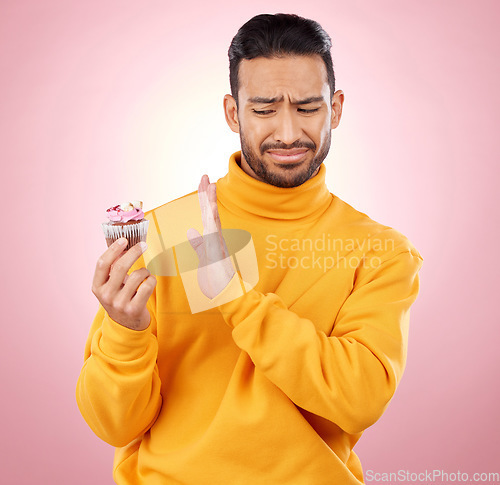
pixel 288 127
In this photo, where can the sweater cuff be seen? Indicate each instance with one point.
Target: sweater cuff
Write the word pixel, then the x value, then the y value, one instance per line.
pixel 123 343
pixel 237 310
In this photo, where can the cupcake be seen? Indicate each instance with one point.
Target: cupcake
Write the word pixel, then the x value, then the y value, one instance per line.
pixel 126 220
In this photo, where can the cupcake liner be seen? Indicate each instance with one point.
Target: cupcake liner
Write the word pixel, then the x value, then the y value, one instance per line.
pixel 133 232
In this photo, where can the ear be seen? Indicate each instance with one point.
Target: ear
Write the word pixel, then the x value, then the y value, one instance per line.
pixel 337 103
pixel 231 113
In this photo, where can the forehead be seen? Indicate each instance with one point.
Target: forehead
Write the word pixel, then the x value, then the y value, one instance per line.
pixel 300 75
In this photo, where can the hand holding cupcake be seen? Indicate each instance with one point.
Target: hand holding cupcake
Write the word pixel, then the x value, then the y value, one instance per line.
pixel 124 296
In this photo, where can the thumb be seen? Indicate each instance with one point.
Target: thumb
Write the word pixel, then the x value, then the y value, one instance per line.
pixel 196 241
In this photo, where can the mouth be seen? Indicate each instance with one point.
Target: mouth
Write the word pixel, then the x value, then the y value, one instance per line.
pixel 288 156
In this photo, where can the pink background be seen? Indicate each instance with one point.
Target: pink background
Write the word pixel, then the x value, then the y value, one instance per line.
pixel 109 100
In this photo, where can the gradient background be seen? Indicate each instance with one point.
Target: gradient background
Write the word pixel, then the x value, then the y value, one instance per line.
pixel 109 100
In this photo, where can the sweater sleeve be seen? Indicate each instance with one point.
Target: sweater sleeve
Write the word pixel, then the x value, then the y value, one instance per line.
pixel 349 376
pixel 118 390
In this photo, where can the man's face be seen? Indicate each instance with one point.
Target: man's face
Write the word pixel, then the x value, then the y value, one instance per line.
pixel 284 118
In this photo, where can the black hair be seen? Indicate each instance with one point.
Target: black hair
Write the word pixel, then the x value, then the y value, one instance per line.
pixel 279 35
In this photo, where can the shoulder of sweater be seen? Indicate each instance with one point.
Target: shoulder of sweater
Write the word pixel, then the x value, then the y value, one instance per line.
pixel 374 233
pixel 149 212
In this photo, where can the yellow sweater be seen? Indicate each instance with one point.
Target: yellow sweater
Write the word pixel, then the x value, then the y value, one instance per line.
pixel 276 386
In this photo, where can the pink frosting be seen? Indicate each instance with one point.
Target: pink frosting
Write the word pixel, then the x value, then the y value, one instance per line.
pixel 116 214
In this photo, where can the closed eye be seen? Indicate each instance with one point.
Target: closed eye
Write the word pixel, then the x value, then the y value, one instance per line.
pixel 269 111
pixel 264 112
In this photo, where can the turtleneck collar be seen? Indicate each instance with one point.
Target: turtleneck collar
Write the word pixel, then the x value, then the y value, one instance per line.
pixel 240 193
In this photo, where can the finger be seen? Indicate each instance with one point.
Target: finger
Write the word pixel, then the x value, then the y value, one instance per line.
pixel 123 265
pixel 202 199
pixel 212 198
pixel 143 293
pixel 207 217
pixel 132 283
pixel 212 195
pixel 202 188
pixel 105 261
pixel 204 182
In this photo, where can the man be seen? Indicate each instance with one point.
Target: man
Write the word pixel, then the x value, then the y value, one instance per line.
pixel 277 385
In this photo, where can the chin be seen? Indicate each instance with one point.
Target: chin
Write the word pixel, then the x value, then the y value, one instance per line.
pixel 288 177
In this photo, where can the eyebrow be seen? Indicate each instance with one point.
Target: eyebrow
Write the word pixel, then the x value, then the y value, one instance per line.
pixel 262 100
